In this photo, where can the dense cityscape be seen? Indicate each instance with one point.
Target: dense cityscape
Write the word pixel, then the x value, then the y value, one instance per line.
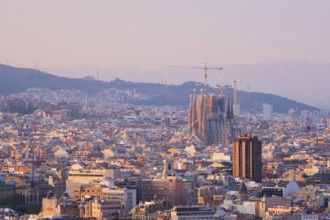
pixel 81 157
pixel 164 110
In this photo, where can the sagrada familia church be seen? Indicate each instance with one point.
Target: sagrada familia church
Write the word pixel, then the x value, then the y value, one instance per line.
pixel 210 120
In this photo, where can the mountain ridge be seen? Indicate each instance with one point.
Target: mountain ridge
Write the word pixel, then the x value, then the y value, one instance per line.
pixel 301 80
pixel 15 80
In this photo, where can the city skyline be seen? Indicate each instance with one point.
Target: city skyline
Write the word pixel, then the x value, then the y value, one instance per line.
pixel 79 38
pixel 94 116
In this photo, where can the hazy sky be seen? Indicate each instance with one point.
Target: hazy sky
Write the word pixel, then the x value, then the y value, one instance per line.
pixel 150 34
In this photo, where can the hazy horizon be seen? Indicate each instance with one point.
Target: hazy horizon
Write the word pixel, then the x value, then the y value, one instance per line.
pixel 81 36
pixel 287 78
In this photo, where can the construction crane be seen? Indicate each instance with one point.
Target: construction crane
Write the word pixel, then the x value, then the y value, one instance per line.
pixel 205 68
pixel 235 81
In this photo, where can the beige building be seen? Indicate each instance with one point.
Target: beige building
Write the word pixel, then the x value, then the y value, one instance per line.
pixel 270 202
pixel 219 156
pixel 49 206
pixel 101 209
pixel 87 191
pixel 278 210
pixel 79 176
pixel 107 193
pixel 122 195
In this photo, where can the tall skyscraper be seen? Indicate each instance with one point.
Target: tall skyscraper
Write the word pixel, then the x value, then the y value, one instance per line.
pixel 209 121
pixel 267 112
pixel 247 160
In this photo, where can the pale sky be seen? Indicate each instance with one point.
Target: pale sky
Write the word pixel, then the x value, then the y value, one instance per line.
pixel 150 34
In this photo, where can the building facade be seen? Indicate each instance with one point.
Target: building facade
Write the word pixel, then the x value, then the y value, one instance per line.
pixel 209 120
pixel 122 195
pixel 267 112
pixel 178 213
pixel 49 205
pixel 247 160
pixel 101 209
pixel 33 194
pixel 87 191
pixel 173 191
pixel 79 176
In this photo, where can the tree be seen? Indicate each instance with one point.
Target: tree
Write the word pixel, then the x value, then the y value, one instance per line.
pixel 33 209
pixel 14 201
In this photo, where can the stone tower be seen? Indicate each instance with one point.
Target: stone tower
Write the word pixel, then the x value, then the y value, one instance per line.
pixel 168 168
pixel 209 121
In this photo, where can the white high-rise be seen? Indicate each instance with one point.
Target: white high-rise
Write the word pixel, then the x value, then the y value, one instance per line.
pixel 267 112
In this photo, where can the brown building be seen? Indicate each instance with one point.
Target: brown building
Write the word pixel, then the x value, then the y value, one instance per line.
pixel 68 209
pixel 247 160
pixel 68 206
pixel 81 192
pixel 173 191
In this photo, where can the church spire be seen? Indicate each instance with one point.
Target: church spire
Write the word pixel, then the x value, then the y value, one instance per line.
pixel 230 113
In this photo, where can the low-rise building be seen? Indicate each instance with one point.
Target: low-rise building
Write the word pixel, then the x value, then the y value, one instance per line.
pixel 101 209
pixel 187 213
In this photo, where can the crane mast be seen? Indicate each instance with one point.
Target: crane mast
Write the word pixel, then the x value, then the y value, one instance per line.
pixel 205 68
pixel 235 81
pixel 205 75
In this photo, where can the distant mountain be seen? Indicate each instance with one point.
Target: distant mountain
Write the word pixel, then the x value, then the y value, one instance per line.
pixel 90 78
pixel 15 80
pixel 299 80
